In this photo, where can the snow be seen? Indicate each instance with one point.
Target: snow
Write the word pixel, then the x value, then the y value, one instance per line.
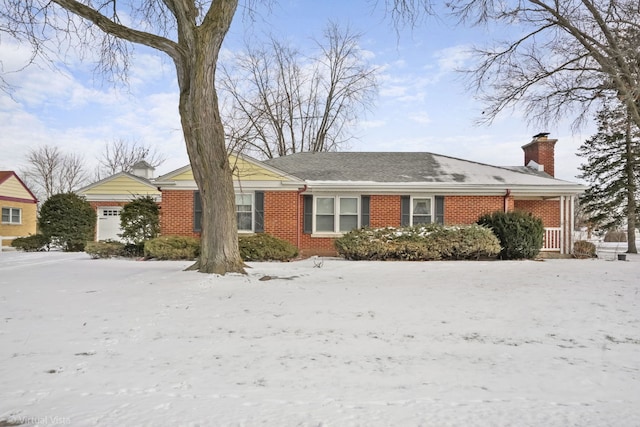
pixel 492 343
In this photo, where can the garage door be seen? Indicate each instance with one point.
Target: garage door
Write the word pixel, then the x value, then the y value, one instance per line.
pixel 109 223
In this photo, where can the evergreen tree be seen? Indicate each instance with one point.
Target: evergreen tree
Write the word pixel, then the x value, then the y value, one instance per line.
pixel 68 220
pixel 612 169
pixel 140 220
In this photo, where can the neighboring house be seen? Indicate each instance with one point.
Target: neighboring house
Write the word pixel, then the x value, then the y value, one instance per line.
pixel 310 199
pixel 109 195
pixel 19 208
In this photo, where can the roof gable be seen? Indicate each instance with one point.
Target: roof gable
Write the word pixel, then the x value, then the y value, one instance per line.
pixel 120 183
pixel 12 188
pixel 245 168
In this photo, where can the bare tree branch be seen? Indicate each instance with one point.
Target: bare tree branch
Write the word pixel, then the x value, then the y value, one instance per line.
pixel 282 102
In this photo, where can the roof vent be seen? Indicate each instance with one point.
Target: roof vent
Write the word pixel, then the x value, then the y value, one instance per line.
pixel 143 170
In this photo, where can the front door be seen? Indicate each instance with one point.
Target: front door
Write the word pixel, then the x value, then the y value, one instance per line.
pixel 109 223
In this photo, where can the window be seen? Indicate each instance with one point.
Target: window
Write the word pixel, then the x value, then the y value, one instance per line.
pixel 11 216
pixel 249 211
pixel 244 212
pixel 421 211
pixel 336 214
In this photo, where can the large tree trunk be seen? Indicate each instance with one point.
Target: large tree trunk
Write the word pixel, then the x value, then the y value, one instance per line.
pixel 205 141
pixel 631 192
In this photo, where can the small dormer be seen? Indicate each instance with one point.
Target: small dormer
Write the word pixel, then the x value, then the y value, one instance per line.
pixel 143 170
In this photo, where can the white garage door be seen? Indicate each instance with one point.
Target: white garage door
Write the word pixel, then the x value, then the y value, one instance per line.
pixel 109 223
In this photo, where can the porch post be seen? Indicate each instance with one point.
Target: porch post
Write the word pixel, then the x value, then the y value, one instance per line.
pixel 562 225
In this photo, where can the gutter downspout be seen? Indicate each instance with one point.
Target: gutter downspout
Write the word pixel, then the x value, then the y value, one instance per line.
pixel 299 192
pixel 506 200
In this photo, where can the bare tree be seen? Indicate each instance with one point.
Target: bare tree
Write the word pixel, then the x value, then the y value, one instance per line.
pixel 50 171
pixel 120 155
pixel 284 102
pixel 190 32
pixel 567 57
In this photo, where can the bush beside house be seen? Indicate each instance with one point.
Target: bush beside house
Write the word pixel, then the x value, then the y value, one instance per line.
pixel 32 243
pixel 521 234
pixel 418 243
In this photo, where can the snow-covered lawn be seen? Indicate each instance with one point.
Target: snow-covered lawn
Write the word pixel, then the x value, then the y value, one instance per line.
pixel 127 343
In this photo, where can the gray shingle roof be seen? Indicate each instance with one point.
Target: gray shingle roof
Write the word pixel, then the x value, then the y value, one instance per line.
pixel 404 167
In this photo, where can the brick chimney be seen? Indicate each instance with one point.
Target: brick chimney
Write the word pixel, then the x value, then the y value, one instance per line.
pixel 541 151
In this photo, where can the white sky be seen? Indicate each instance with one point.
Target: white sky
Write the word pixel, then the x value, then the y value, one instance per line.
pixel 422 104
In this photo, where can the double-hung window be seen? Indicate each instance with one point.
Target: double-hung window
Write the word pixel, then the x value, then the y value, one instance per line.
pixel 11 216
pixel 244 211
pixel 421 211
pixel 416 210
pixel 249 211
pixel 336 214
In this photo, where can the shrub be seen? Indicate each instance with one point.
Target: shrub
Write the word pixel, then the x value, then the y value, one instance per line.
pixel 106 249
pixel 68 221
pixel 31 243
pixel 264 247
pixel 172 247
pixel 521 234
pixel 133 250
pixel 584 249
pixel 418 243
pixel 140 221
pixel 615 236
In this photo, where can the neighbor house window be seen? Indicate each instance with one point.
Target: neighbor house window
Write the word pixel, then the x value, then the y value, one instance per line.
pixel 244 212
pixel 336 214
pixel 11 216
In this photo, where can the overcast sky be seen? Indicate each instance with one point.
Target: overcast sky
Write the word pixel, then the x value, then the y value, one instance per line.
pixel 422 105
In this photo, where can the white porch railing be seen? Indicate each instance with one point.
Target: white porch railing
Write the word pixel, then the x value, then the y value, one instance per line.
pixel 552 240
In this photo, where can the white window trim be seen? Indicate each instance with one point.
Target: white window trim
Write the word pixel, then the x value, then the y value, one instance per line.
pixel 431 209
pixel 336 213
pixel 253 212
pixel 10 222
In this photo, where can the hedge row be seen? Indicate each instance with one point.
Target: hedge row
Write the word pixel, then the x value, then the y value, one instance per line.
pixel 418 243
pixel 258 247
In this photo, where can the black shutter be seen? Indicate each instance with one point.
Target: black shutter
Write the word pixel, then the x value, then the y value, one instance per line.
pixel 405 210
pixel 365 216
pixel 307 214
pixel 439 210
pixel 197 212
pixel 259 211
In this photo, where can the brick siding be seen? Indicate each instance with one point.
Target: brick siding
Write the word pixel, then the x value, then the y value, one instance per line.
pixel 547 210
pixel 176 213
pixel 467 209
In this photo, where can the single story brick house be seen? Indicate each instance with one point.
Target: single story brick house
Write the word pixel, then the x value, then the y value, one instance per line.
pixel 310 199
pixel 18 207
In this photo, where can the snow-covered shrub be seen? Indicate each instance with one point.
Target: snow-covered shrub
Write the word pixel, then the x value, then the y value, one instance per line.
pixel 521 234
pixel 584 249
pixel 418 243
pixel 264 247
pixel 172 247
pixel 106 249
pixel 31 243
